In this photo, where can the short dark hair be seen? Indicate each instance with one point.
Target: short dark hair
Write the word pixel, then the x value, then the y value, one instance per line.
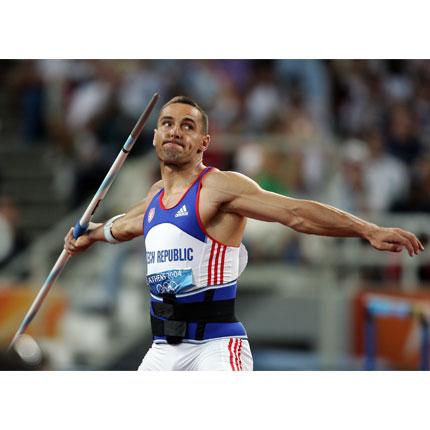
pixel 188 101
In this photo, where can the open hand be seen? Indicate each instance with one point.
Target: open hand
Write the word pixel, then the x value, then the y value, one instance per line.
pixel 394 240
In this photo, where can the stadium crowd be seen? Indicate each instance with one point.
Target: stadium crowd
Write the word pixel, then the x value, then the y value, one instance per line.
pixel 372 114
pixel 374 111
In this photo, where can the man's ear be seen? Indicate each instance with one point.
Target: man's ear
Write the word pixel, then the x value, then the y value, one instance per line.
pixel 204 143
pixel 153 139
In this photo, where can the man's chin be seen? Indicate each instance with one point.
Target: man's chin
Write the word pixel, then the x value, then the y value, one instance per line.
pixel 172 160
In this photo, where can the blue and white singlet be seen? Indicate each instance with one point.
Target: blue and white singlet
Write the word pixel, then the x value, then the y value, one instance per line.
pixel 183 261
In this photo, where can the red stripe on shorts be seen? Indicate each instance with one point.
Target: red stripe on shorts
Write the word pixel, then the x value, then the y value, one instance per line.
pixel 235 354
pixel 231 353
pixel 240 356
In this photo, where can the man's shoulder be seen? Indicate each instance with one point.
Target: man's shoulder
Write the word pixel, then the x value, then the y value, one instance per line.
pixel 225 182
pixel 222 177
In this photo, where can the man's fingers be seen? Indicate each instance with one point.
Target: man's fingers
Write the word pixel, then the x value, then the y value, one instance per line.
pixel 408 245
pixel 417 245
pixel 69 242
pixel 392 247
pixel 395 239
pixel 396 244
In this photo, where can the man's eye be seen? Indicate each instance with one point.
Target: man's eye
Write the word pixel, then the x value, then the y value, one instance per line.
pixel 167 123
pixel 188 127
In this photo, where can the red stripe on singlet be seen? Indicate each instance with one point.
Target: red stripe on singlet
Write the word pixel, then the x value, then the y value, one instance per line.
pixel 222 265
pixel 210 263
pixel 216 263
pixel 231 353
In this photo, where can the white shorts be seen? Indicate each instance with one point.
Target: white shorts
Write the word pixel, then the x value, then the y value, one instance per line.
pixel 232 354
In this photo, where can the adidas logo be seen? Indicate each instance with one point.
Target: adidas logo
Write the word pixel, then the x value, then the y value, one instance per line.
pixel 181 212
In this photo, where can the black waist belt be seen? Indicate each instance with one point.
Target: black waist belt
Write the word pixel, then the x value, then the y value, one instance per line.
pixel 178 315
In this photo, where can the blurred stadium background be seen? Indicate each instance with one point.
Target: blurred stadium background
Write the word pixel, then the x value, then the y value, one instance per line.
pixel 355 134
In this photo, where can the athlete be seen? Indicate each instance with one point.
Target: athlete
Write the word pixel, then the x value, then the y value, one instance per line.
pixel 193 221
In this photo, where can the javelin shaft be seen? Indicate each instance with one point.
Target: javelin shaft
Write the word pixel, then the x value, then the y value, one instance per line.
pixel 82 225
pixel 43 292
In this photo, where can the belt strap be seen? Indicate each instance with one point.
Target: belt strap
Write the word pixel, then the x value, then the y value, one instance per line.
pixel 173 330
pixel 200 330
pixel 176 316
pixel 218 311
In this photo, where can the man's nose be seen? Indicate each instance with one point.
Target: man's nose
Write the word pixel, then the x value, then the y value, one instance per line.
pixel 175 131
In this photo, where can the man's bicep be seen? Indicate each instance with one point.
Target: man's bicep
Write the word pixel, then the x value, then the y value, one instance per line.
pixel 127 228
pixel 250 200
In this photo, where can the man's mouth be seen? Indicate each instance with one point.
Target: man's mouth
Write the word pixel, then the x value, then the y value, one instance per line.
pixel 173 142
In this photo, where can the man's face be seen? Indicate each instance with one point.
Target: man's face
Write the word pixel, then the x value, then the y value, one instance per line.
pixel 179 138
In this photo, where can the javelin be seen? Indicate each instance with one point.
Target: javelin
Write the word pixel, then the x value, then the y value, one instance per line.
pixel 82 225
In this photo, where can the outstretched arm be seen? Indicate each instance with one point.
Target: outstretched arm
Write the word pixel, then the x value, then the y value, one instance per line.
pixel 239 194
pixel 123 229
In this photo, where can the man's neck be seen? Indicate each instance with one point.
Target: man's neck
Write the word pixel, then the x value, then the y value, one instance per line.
pixel 179 178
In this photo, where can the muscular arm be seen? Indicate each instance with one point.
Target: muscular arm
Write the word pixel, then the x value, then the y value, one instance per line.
pixel 124 229
pixel 241 195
